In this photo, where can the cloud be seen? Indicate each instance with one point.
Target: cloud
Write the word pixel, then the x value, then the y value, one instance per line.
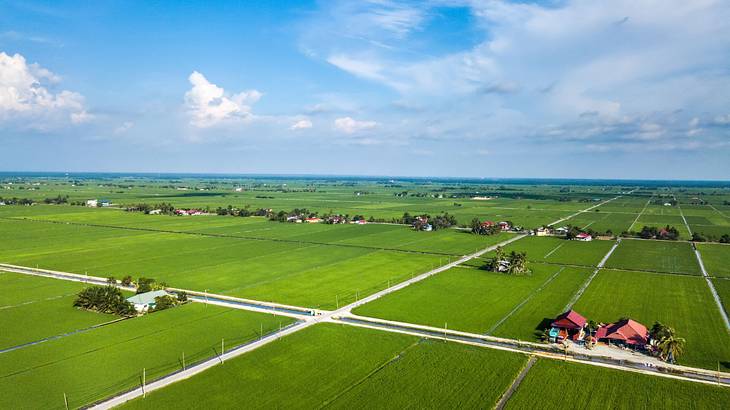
pixel 26 96
pixel 209 105
pixel 301 124
pixel 123 128
pixel 348 125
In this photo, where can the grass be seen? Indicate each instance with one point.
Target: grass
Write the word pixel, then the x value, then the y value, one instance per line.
pixel 345 367
pixel 593 387
pixel 43 302
pixel 682 302
pixel 94 365
pixel 657 256
pixel 716 259
pixel 461 298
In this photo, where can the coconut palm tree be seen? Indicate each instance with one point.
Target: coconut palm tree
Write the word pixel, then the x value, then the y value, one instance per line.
pixel 671 347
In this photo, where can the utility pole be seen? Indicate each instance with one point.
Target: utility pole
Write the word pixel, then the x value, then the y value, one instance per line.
pixel 144 381
pixel 223 349
pixel 65 400
pixel 337 301
pixel 183 360
pixel 262 331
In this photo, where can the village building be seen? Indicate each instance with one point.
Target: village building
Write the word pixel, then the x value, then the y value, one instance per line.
pixel 155 212
pixel 504 226
pixel 92 203
pixel 313 220
pixel 144 301
pixel 626 332
pixel 360 222
pixel 583 237
pixel 563 230
pixel 542 231
pixel 569 325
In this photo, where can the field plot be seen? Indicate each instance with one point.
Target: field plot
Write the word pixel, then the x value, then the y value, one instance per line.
pixel 94 365
pixel 682 302
pixel 561 251
pixel 464 298
pixel 293 273
pixel 594 387
pixel 34 308
pixel 602 222
pixel 529 321
pixel 372 236
pixel 716 259
pixel 347 367
pixel 656 256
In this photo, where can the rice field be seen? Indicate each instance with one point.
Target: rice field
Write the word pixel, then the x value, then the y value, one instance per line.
pixel 593 387
pixel 45 303
pixel 656 256
pixel 561 251
pixel 470 300
pixel 335 366
pixel 97 364
pixel 682 302
pixel 716 259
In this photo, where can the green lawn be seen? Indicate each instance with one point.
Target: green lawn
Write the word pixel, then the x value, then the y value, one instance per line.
pixel 462 298
pixel 657 256
pixel 593 387
pixel 347 367
pixel 93 365
pixel 716 259
pixel 682 302
pixel 45 303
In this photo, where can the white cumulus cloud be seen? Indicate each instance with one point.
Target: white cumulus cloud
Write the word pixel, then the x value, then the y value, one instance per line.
pixel 25 95
pixel 348 125
pixel 210 105
pixel 301 124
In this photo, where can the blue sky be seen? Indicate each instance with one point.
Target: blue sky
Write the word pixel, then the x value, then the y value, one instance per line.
pixel 621 89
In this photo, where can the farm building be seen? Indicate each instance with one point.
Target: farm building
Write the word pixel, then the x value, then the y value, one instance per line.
pixel 542 231
pixel 144 301
pixel 504 226
pixel 625 332
pixel 583 237
pixel 313 220
pixel 568 325
pixel 92 203
pixel 155 212
pixel 561 231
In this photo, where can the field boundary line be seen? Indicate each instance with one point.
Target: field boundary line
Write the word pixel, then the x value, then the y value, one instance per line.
pixel 718 211
pixel 718 301
pixel 648 201
pixel 515 384
pixel 681 213
pixel 585 356
pixel 588 281
pixel 524 302
pixel 554 249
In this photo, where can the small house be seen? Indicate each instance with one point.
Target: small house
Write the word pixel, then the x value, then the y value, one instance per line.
pixel 542 231
pixel 427 227
pixel 92 203
pixel 583 237
pixel 155 212
pixel 104 202
pixel 626 332
pixel 360 222
pixel 569 325
pixel 293 218
pixel 504 226
pixel 144 301
pixel 561 231
pixel 314 220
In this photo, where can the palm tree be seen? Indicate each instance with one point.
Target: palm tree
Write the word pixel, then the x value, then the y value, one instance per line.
pixel 517 262
pixel 671 347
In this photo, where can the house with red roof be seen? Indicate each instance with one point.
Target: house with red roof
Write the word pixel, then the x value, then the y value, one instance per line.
pixel 568 325
pixel 625 332
pixel 583 237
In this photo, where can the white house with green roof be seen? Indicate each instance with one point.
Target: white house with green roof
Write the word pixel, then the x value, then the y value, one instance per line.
pixel 144 301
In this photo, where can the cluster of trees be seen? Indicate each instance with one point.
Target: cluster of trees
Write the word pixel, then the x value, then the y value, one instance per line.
pixel 479 229
pixel 665 342
pixel 244 212
pixel 17 201
pixel 701 237
pixel 513 263
pixel 420 222
pixel 662 201
pixel 167 301
pixel 57 200
pixel 164 207
pixel 104 299
pixel 652 232
pixel 301 213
